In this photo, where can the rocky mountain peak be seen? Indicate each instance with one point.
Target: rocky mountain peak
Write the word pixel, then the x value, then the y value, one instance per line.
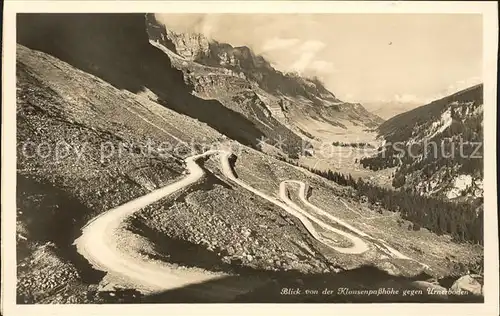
pixel 242 59
pixel 191 46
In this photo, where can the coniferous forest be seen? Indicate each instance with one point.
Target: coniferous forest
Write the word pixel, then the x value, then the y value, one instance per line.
pixel 462 221
pixel 457 148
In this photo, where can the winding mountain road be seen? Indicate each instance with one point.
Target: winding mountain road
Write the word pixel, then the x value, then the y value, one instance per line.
pixel 98 242
pixel 358 245
pixel 302 196
pixel 99 245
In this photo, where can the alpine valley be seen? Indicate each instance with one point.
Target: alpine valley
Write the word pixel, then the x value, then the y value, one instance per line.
pixel 182 169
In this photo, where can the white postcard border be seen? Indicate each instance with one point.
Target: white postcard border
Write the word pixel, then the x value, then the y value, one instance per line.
pixel 490 46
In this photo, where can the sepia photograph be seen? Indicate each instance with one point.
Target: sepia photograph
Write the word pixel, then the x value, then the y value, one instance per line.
pixel 167 156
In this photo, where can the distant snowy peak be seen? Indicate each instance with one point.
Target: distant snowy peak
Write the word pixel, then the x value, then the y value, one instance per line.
pixel 389 109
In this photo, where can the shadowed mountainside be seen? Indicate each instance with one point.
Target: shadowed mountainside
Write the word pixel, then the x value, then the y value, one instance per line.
pixel 115 47
pixel 321 287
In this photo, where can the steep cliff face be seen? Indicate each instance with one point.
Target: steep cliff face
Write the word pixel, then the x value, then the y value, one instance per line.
pixel 217 69
pixel 242 59
pixel 189 46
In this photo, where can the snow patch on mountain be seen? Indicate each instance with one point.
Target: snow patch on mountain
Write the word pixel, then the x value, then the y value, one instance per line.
pixel 462 182
pixel 442 124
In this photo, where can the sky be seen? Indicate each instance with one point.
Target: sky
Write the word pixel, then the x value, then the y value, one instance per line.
pixel 360 57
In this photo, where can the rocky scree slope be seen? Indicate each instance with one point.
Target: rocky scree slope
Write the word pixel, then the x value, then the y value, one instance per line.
pixel 107 142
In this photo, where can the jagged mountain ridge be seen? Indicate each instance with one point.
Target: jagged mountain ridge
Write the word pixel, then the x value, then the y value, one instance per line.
pixel 198 48
pixel 453 168
pixel 289 98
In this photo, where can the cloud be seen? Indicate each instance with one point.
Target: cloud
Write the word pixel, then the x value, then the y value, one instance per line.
pixel 279 43
pixel 302 62
pixel 463 84
pixel 312 46
pixel 205 24
pixel 322 66
pixel 307 51
pixel 451 89
pixel 348 96
pixel 456 87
